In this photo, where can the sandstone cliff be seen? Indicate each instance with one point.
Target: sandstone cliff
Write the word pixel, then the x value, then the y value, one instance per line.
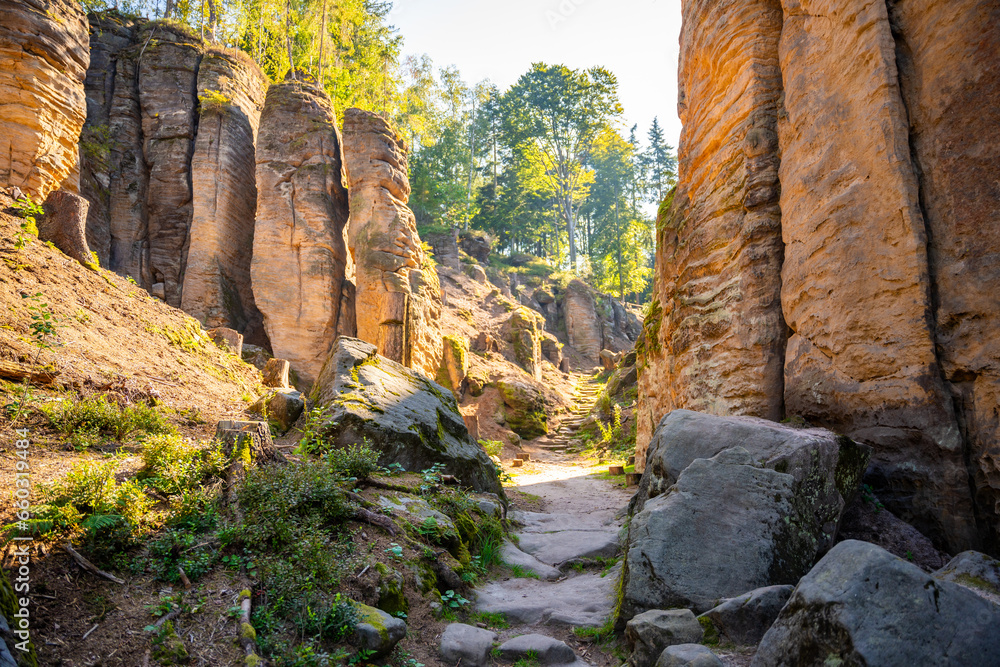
pixel 398 293
pixel 300 264
pixel 715 339
pixel 43 42
pixel 833 154
pixel 216 287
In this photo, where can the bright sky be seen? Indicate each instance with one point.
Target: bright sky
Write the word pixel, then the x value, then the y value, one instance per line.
pixel 498 40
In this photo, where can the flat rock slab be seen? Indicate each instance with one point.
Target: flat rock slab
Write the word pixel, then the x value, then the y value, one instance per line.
pixel 540 522
pixel 585 600
pixel 514 556
pixel 688 655
pixel 555 548
pixel 546 650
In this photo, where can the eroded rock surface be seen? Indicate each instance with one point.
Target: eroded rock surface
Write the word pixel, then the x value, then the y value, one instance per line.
pixel 861 605
pixel 715 336
pixel 583 328
pixel 216 287
pixel 398 294
pixel 44 56
pixel 300 263
pixel 408 418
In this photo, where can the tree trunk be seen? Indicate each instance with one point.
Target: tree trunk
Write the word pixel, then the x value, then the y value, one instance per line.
pixel 472 156
pixel 168 9
pixel 213 20
pixel 322 42
pixel 288 38
pixel 618 233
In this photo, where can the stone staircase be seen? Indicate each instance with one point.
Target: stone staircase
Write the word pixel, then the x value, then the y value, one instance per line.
pixel 564 440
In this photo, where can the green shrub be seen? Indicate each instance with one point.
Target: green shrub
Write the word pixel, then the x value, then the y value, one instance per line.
pixel 492 447
pixel 354 461
pixel 101 415
pixel 174 465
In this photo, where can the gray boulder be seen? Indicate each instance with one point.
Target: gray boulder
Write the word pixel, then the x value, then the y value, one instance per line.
pixel 464 644
pixel 281 408
pixel 861 605
pixel 377 631
pixel 511 555
pixel 973 570
pixel 726 528
pixel 407 417
pixel 652 631
pixel 744 619
pixel 524 407
pixel 547 650
pixel 688 655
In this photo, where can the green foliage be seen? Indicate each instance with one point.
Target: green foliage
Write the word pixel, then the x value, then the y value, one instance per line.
pixel 213 101
pixel 28 210
pixel 452 599
pixel 99 414
pixel 492 447
pixel 520 572
pixel 354 461
pixel 175 466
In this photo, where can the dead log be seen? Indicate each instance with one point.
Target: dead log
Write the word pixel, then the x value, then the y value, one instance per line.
pixel 247 635
pixel 11 370
pixel 88 566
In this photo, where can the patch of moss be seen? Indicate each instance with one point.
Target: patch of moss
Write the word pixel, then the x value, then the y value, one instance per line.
pixel 711 637
pixel 371 616
pixel 852 461
pixel 168 647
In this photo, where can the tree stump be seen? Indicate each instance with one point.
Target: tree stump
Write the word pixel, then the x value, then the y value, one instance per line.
pixel 616 470
pixel 516 463
pixel 245 444
pixel 525 456
pixel 631 461
pixel 632 479
pixel 228 339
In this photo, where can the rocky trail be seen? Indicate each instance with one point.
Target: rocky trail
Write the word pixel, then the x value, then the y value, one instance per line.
pixel 563 557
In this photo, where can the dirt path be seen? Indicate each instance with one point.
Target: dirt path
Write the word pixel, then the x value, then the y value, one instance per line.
pixel 564 562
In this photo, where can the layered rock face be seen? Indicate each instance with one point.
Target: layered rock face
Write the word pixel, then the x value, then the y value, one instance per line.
pixel 833 155
pixel 300 264
pixel 715 338
pixel 950 77
pixel 398 293
pixel 217 277
pixel 43 43
pixel 583 328
pixel 168 76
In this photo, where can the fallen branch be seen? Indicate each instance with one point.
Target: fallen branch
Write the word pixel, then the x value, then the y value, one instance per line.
pixel 10 370
pixel 88 566
pixel 184 577
pixel 374 519
pixel 248 636
pixel 167 617
pixel 87 634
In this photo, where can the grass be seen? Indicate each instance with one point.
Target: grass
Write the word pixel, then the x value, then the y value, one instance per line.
pixel 519 572
pixel 98 415
pixel 491 619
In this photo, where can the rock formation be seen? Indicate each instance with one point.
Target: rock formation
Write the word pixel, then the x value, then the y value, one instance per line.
pixel 216 288
pixel 65 224
pixel 43 42
pixel 168 86
pixel 300 265
pixel 583 328
pixel 398 295
pixel 408 418
pixel 833 212
pixel 523 330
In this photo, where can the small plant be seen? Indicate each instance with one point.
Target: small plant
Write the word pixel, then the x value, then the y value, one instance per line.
pixel 213 101
pixel 393 469
pixel 176 466
pixel 313 440
pixel 492 447
pixel 452 599
pixel 357 462
pixel 868 494
pixel 28 210
pixel 519 572
pixel 395 551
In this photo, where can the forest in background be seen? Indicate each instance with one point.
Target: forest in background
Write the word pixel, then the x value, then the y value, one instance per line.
pixel 547 167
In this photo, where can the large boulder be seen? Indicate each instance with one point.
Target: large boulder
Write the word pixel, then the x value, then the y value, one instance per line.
pixel 523 329
pixel 445 249
pixel 377 631
pixel 861 605
pixel 476 244
pixel 524 407
pixel 826 468
pixel 455 364
pixel 745 619
pixel 688 655
pixel 300 262
pixel 398 293
pixel 726 527
pixel 973 570
pixel 408 418
pixel 217 290
pixel 44 55
pixel 467 645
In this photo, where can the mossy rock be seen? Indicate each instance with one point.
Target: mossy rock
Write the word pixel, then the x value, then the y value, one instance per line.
pixel 168 647
pixel 524 408
pixel 391 595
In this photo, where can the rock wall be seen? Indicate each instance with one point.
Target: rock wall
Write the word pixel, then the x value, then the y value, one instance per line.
pixel 43 43
pixel 398 293
pixel 300 267
pixel 168 94
pixel 715 339
pixel 952 109
pixel 583 327
pixel 216 287
pixel 834 153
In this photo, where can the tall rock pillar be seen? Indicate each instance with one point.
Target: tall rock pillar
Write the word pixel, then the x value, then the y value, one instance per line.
pixel 398 293
pixel 300 267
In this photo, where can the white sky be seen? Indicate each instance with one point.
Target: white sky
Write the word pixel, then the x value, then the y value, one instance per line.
pixel 498 40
